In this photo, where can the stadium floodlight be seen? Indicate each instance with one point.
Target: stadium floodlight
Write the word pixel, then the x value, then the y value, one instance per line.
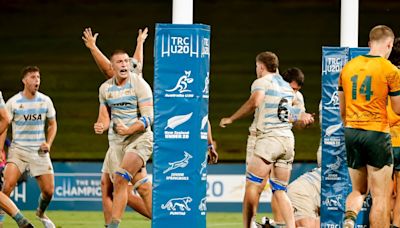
pixel 182 12
pixel 349 23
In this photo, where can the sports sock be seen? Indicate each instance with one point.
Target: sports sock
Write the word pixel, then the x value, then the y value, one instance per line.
pixel 19 218
pixel 43 203
pixel 114 223
pixel 350 215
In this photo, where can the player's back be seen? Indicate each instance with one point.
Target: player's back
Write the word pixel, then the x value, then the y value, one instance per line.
pixel 366 82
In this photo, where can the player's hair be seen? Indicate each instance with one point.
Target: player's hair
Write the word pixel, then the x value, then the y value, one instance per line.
pixel 117 52
pixel 395 54
pixel 29 69
pixel 294 74
pixel 269 59
pixel 380 32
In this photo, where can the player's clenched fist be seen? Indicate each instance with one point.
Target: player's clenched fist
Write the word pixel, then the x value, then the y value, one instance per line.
pixel 98 128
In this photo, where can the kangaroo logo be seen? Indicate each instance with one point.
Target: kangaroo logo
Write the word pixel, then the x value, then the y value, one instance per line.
pixel 334 166
pixel 334 99
pixel 179 164
pixel 182 83
pixel 181 203
pixel 202 205
pixel 333 201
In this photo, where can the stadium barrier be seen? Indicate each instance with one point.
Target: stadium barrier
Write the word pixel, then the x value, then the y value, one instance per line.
pixel 77 187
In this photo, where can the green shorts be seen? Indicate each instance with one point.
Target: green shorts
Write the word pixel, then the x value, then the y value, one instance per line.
pixel 364 147
pixel 396 158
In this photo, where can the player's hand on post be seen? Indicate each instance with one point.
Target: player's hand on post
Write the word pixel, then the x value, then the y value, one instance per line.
pixel 98 128
pixel 212 155
pixel 142 35
pixel 225 121
pixel 89 38
pixel 45 147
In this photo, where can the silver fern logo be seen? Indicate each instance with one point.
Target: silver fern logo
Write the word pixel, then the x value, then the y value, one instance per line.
pixel 173 123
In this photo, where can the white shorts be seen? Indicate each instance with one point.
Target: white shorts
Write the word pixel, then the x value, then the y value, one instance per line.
pixel 305 199
pixel 251 145
pixel 37 163
pixel 276 149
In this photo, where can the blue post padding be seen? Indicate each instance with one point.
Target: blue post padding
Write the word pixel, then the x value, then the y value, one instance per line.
pixel 336 184
pixel 181 90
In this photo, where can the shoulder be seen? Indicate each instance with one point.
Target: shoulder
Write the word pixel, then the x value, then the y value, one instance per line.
pixel 14 98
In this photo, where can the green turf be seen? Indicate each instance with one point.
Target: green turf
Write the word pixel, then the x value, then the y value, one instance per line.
pixel 48 34
pixel 75 219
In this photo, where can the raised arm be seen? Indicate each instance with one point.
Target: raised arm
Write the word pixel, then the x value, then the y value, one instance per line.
pixel 141 38
pixel 101 60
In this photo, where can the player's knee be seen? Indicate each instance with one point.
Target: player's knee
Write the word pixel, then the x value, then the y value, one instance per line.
pixel 122 175
pixel 250 177
pixel 277 185
pixel 47 193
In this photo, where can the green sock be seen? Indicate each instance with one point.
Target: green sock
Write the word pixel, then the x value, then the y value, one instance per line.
pixel 19 218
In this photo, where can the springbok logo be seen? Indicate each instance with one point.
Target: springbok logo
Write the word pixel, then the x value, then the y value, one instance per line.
pixel 182 84
pixel 334 99
pixel 202 205
pixel 334 166
pixel 181 203
pixel 179 164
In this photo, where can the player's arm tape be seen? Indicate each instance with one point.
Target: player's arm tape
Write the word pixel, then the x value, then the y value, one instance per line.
pixel 146 121
pixel 147 112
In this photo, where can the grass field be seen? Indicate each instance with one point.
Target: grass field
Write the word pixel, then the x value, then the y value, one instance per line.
pixel 75 219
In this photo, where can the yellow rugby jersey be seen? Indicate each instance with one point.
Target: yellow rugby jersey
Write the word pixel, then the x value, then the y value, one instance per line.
pixel 394 123
pixel 366 82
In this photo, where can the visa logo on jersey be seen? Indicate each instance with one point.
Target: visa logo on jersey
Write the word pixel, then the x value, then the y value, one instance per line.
pixel 33 117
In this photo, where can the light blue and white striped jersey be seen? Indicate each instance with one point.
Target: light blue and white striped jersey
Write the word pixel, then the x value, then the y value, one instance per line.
pixel 124 102
pixel 298 106
pixel 28 118
pixel 313 177
pixel 272 115
pixel 2 104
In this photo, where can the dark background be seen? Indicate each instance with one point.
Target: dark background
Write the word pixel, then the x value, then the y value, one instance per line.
pixel 47 33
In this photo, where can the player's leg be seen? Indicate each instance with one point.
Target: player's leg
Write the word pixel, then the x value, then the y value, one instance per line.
pixel 11 175
pixel 279 182
pixel 396 207
pixel 308 222
pixel 358 174
pixel 142 185
pixel 257 170
pixel 130 165
pixel 379 181
pixel 46 185
pixel 106 196
pixel 11 209
pixel 355 199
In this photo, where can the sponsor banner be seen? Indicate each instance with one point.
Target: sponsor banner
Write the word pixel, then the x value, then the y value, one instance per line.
pixel 77 187
pixel 336 184
pixel 181 92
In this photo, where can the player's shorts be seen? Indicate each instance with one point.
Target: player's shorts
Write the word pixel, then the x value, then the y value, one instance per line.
pixel 396 158
pixel 251 145
pixel 37 163
pixel 276 149
pixel 364 147
pixel 141 144
pixel 305 199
